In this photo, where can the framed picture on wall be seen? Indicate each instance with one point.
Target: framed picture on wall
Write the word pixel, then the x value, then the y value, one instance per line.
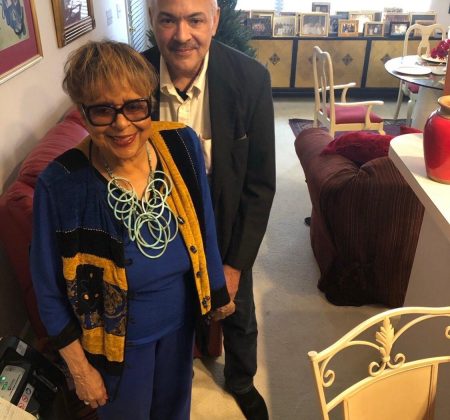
pixel 313 24
pixel 374 29
pixel 72 19
pixel 348 27
pixel 20 44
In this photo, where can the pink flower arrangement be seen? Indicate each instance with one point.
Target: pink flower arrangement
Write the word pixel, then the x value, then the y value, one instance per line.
pixel 441 51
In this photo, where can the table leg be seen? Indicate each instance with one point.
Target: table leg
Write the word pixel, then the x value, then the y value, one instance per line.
pixel 425 105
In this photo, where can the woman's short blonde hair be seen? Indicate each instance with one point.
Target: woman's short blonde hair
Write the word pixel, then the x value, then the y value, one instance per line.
pixel 99 66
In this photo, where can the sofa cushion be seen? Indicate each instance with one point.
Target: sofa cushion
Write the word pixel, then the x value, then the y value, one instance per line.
pixel 359 146
pixel 56 141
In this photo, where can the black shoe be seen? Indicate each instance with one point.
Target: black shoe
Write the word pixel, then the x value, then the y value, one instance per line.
pixel 308 221
pixel 252 404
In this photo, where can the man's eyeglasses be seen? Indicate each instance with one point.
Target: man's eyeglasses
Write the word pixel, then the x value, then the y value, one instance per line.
pixel 101 115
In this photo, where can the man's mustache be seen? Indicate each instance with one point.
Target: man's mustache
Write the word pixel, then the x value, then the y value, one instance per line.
pixel 175 46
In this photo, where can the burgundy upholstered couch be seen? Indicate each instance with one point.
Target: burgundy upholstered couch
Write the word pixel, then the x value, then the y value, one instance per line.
pixel 16 206
pixel 365 224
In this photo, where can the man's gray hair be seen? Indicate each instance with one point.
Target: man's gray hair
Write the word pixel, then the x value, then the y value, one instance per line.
pixel 151 3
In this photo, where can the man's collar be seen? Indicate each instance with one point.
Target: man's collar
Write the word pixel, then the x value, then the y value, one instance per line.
pixel 197 86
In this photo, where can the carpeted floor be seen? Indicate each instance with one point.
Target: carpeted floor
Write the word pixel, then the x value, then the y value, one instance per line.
pixel 391 127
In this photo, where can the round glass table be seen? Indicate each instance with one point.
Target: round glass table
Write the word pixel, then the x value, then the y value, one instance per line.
pixel 428 75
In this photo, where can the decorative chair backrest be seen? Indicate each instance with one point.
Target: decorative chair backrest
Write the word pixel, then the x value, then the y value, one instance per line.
pixel 425 32
pixel 397 386
pixel 323 82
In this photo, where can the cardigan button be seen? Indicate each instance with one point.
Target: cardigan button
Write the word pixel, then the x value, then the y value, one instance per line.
pixel 198 274
pixel 180 220
pixel 205 301
pixel 193 249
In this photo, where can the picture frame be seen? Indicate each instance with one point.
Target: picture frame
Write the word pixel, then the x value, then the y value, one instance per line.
pixel 348 27
pixel 243 16
pixel 398 29
pixel 320 6
pixel 390 17
pixel 334 24
pixel 313 24
pixel 20 43
pixel 362 17
pixel 343 14
pixel 374 29
pixel 284 26
pixel 414 17
pixel 260 26
pixel 72 20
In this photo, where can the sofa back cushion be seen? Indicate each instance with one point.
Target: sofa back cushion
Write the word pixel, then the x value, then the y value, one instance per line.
pixel 63 136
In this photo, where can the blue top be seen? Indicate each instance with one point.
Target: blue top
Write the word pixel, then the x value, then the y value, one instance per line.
pixel 73 220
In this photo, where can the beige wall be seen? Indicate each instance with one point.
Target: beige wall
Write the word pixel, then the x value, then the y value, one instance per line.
pixel 32 101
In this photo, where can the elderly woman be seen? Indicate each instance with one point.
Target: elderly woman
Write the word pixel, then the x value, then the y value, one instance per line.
pixel 124 254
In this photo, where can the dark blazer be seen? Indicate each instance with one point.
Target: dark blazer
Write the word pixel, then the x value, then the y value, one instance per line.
pixel 243 150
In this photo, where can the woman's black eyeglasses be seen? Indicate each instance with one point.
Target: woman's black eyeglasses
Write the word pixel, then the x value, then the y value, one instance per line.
pixel 134 111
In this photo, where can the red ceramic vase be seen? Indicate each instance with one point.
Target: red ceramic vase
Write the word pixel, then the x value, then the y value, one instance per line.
pixel 436 142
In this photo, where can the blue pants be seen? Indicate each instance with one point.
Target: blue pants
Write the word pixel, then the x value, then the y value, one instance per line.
pixel 156 382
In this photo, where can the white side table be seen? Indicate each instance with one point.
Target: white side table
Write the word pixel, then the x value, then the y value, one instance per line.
pixel 429 283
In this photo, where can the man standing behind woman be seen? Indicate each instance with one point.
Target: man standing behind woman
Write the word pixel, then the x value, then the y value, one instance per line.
pixel 226 97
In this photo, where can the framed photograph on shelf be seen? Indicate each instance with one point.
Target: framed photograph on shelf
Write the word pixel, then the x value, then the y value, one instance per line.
pixel 334 24
pixel 362 18
pixel 343 15
pixel 20 44
pixel 243 16
pixel 260 26
pixel 320 6
pixel 374 29
pixel 398 29
pixel 72 19
pixel 284 26
pixel 348 27
pixel 390 17
pixel 430 16
pixel 313 24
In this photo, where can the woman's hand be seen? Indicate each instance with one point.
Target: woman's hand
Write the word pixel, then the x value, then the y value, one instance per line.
pixel 223 311
pixel 89 384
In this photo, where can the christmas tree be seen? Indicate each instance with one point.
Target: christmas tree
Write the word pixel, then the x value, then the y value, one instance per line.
pixel 231 31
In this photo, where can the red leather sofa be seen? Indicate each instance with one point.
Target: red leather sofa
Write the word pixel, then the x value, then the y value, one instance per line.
pixel 16 206
pixel 365 224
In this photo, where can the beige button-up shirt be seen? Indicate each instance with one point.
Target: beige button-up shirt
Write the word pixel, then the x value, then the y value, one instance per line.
pixel 194 111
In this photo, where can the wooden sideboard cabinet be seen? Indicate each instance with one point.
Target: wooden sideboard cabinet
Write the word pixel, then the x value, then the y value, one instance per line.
pixel 355 59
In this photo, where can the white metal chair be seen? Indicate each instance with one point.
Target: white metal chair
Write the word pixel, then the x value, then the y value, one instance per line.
pixel 395 388
pixel 343 115
pixel 410 89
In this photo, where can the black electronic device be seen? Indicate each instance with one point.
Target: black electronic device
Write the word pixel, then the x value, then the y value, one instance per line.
pixel 29 380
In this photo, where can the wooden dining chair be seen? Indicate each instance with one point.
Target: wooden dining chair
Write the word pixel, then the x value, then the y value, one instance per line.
pixel 393 382
pixel 410 89
pixel 341 115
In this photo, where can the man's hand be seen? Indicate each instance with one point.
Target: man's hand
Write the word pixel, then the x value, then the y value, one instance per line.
pixel 232 277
